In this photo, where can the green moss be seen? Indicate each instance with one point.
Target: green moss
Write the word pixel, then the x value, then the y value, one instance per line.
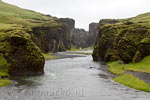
pixel 49 56
pixel 111 55
pixel 137 57
pixel 142 66
pixel 118 68
pixel 133 82
pixel 3 61
pixel 146 40
pixel 4 82
pixel 82 53
pixel 3 71
pixel 122 37
pixel 3 66
pixel 76 49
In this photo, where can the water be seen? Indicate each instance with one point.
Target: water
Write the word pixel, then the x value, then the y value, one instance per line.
pixel 73 78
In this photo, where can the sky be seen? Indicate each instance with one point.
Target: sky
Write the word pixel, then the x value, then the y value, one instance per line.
pixel 86 11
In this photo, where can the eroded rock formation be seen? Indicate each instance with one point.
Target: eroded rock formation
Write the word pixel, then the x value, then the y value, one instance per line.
pixel 126 40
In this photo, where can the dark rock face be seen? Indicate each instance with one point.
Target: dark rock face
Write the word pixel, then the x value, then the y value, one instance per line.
pixel 121 40
pixel 22 55
pixel 70 23
pixel 93 32
pixel 144 47
pixel 80 38
pixel 53 38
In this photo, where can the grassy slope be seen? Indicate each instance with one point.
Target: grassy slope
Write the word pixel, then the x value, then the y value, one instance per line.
pixel 119 69
pixel 133 82
pixel 11 14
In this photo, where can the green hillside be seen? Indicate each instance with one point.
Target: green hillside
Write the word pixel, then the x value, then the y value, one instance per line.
pixel 11 14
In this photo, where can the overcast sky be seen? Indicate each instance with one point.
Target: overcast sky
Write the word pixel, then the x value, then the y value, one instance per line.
pixel 86 11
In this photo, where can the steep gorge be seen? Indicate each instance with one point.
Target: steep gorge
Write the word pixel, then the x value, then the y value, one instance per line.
pixel 25 34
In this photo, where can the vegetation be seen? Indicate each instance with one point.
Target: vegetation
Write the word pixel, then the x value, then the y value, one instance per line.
pixel 3 71
pixel 84 49
pixel 133 82
pixel 123 39
pixel 116 67
pixel 124 44
pixel 120 69
pixel 82 53
pixel 15 15
pixel 4 82
pixel 48 56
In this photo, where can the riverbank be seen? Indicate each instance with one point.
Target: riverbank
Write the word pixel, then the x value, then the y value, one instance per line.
pixel 73 52
pixel 134 75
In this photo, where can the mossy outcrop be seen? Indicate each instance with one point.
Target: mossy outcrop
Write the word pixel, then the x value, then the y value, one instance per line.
pixel 25 34
pixel 126 39
pixel 23 57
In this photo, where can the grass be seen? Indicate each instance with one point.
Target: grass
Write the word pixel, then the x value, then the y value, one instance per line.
pixel 82 53
pixel 12 10
pixel 3 71
pixel 142 66
pixel 11 14
pixel 76 49
pixel 4 82
pixel 133 82
pixel 48 56
pixel 118 68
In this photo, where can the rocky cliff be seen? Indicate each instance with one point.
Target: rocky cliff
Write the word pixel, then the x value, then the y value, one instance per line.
pixel 125 39
pixel 79 38
pixel 82 38
pixel 25 34
pixel 93 32
pixel 20 54
pixel 70 26
pixel 52 37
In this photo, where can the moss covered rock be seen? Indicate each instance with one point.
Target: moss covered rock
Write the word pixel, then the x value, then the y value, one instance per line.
pixel 124 39
pixel 137 57
pixel 111 55
pixel 20 52
pixel 144 47
pixel 95 54
pixel 128 44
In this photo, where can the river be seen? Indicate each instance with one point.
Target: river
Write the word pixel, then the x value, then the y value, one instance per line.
pixel 73 77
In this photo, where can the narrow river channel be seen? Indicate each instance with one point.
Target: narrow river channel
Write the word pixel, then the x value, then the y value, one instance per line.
pixel 73 77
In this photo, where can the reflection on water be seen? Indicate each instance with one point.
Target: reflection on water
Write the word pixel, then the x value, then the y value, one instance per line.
pixel 75 78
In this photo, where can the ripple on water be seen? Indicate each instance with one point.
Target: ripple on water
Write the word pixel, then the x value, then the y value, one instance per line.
pixel 80 76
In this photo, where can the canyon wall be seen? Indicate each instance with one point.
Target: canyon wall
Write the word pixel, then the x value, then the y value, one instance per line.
pixel 123 39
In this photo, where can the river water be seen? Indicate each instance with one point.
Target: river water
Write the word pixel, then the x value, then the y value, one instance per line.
pixel 74 77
